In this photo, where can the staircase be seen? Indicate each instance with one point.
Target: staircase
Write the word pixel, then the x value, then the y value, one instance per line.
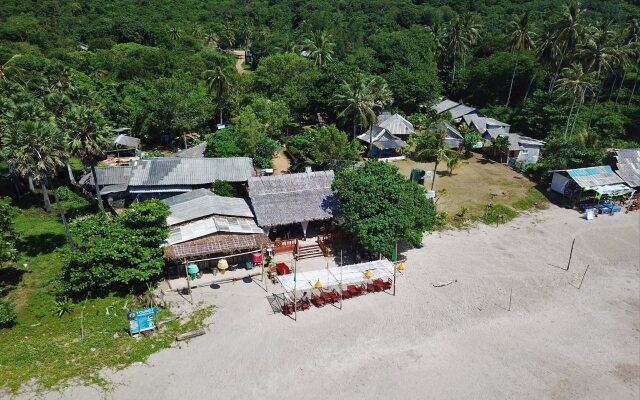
pixel 309 251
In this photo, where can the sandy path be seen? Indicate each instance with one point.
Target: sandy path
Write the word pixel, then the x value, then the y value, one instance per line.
pixel 281 163
pixel 455 342
pixel 240 61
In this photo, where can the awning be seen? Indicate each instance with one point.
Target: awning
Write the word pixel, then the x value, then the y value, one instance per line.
pixel 611 190
pixel 331 277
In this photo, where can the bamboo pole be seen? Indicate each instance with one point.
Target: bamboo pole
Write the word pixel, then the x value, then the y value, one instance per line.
pixel 510 294
pixel 571 253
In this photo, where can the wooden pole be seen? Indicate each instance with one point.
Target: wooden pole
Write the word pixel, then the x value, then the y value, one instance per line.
pixel 186 271
pixel 510 294
pixel 295 287
pixel 583 275
pixel 571 253
pixel 341 279
pixel 395 268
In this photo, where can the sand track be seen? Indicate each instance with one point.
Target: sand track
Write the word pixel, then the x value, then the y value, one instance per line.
pixel 454 342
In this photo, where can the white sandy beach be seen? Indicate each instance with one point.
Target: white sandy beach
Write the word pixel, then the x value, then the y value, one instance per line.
pixel 453 342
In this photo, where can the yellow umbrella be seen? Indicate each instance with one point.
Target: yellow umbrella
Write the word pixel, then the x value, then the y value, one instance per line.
pixel 318 284
pixel 368 273
pixel 401 267
pixel 223 265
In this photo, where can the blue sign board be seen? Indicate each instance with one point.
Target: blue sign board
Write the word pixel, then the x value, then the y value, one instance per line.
pixel 141 320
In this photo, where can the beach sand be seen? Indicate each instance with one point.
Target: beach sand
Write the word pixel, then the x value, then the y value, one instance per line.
pixel 453 342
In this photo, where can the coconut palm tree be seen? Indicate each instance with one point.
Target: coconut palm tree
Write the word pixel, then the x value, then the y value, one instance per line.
pixel 359 99
pixel 595 52
pixel 36 149
pixel 218 84
pixel 568 32
pixel 462 33
pixel 519 29
pixel 577 82
pixel 633 36
pixel 437 150
pixel 501 143
pixel 175 33
pixel 320 47
pixel 9 70
pixel 87 136
pixel 210 38
pixel 196 31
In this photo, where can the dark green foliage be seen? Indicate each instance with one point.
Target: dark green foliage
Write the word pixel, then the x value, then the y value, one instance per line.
pixel 563 153
pixel 75 204
pixel 8 314
pixel 325 147
pixel 222 188
pixel 7 233
pixel 380 207
pixel 122 255
pixel 223 143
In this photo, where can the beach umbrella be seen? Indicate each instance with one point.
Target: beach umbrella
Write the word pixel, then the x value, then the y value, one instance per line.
pixel 318 284
pixel 368 273
pixel 401 267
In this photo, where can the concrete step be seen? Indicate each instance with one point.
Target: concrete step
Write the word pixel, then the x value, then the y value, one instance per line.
pixel 309 251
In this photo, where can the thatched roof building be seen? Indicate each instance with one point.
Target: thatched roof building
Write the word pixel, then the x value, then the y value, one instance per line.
pixel 292 198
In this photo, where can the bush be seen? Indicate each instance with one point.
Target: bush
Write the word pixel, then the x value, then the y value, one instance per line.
pixel 8 314
pixel 222 188
pixel 122 255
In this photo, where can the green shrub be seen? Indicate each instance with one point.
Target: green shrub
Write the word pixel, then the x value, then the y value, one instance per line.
pixel 222 188
pixel 8 314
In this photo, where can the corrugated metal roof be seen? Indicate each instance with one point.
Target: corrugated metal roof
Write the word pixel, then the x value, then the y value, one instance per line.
pixel 190 171
pixel 201 203
pixel 382 138
pixel 594 176
pixel 196 151
pixel 108 176
pixel 460 110
pixel 452 132
pixel 127 141
pixel 397 125
pixel 443 106
pixel 628 166
pixel 292 198
pixel 375 131
pixel 209 226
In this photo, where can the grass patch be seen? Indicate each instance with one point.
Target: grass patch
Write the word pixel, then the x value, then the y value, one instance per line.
pixel 47 348
pixel 498 213
pixel 533 199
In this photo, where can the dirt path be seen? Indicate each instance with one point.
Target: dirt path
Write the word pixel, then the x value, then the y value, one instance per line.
pixel 281 163
pixel 240 61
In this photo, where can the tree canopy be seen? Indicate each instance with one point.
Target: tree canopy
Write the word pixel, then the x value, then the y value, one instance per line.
pixel 381 207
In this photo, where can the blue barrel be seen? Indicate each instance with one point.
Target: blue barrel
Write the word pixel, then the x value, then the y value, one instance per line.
pixel 249 263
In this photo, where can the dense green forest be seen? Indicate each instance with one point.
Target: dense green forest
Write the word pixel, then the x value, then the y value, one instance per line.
pixel 563 72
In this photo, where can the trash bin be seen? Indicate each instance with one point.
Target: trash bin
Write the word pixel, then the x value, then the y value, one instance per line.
pixel 249 263
pixel 257 258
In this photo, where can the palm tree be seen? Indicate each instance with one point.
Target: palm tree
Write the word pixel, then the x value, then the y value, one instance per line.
pixel 521 41
pixel 454 159
pixel 218 84
pixel 210 38
pixel 576 81
pixel 37 149
pixel 501 143
pixel 633 36
pixel 569 29
pixel 621 61
pixel 196 31
pixel 359 99
pixel 439 152
pixel 88 135
pixel 595 52
pixel 175 33
pixel 320 47
pixel 462 33
pixel 9 70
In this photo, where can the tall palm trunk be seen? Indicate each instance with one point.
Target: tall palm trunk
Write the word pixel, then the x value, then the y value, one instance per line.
pixel 595 102
pixel 635 82
pixel 354 126
pixel 526 94
pixel 453 77
pixel 552 84
pixel 435 168
pixel 96 184
pixel 62 216
pixel 370 142
pixel 624 75
pixel 513 77
pixel 566 128
pixel 575 117
pixel 613 85
pixel 45 196
pixel 72 179
pixel 32 189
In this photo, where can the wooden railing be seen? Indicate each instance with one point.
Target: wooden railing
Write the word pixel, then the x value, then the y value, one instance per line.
pixel 285 245
pixel 328 240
